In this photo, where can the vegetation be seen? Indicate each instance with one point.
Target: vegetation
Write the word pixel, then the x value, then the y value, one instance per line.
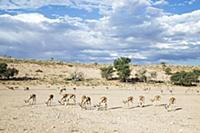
pixel 6 72
pixel 141 75
pixel 168 71
pixel 197 72
pixel 77 76
pixel 122 66
pixel 185 78
pixel 107 72
pixel 163 64
pixel 153 75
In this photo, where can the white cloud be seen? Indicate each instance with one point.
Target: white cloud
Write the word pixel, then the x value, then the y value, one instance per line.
pixel 160 2
pixel 132 28
pixel 27 4
pixel 33 18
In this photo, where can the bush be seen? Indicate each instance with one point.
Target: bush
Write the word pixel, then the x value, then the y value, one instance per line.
pixel 39 71
pixel 153 75
pixel 141 75
pixel 107 72
pixel 184 78
pixel 77 76
pixel 168 71
pixel 7 72
pixel 197 72
pixel 122 66
pixel 3 69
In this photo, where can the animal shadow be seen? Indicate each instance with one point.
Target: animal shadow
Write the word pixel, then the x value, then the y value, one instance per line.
pixel 113 108
pixel 173 110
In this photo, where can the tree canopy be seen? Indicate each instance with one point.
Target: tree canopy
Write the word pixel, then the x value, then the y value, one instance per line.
pixel 6 72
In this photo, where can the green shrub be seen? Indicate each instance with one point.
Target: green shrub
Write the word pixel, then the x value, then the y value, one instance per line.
pixel 168 71
pixel 197 72
pixel 141 75
pixel 6 72
pixel 184 78
pixel 77 76
pixel 153 75
pixel 107 72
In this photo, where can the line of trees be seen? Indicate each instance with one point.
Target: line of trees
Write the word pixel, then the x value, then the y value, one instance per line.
pixel 122 68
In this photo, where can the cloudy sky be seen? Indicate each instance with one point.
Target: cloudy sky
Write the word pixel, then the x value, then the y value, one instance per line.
pixel 147 31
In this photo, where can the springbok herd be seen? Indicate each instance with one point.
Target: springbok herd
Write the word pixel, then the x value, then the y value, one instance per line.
pixel 86 101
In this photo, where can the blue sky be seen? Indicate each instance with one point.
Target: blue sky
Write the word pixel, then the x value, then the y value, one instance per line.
pixel 147 31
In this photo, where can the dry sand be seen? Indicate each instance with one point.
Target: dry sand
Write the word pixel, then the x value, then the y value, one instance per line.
pixel 18 117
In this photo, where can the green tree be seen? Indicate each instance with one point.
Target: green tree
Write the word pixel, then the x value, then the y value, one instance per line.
pixel 123 69
pixel 107 72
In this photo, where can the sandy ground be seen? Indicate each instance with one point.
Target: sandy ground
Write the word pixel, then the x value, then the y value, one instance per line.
pixel 18 117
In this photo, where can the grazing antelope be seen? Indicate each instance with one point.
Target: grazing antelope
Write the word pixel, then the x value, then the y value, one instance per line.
pixel 33 98
pixel 155 98
pixel 189 90
pixel 74 88
pixel 170 91
pixel 48 102
pixel 26 89
pixel 161 91
pixel 141 101
pixel 85 101
pixel 129 99
pixel 171 102
pixel 11 88
pixel 103 100
pixel 66 97
pixel 61 90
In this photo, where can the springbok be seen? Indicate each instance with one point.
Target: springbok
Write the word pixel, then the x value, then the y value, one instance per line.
pixel 66 97
pixel 161 91
pixel 61 90
pixel 10 88
pixel 155 99
pixel 171 102
pixel 74 88
pixel 85 101
pixel 129 99
pixel 170 91
pixel 103 100
pixel 48 102
pixel 141 101
pixel 33 98
pixel 26 89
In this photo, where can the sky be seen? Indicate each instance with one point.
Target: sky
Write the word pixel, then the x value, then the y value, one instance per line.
pixel 147 31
